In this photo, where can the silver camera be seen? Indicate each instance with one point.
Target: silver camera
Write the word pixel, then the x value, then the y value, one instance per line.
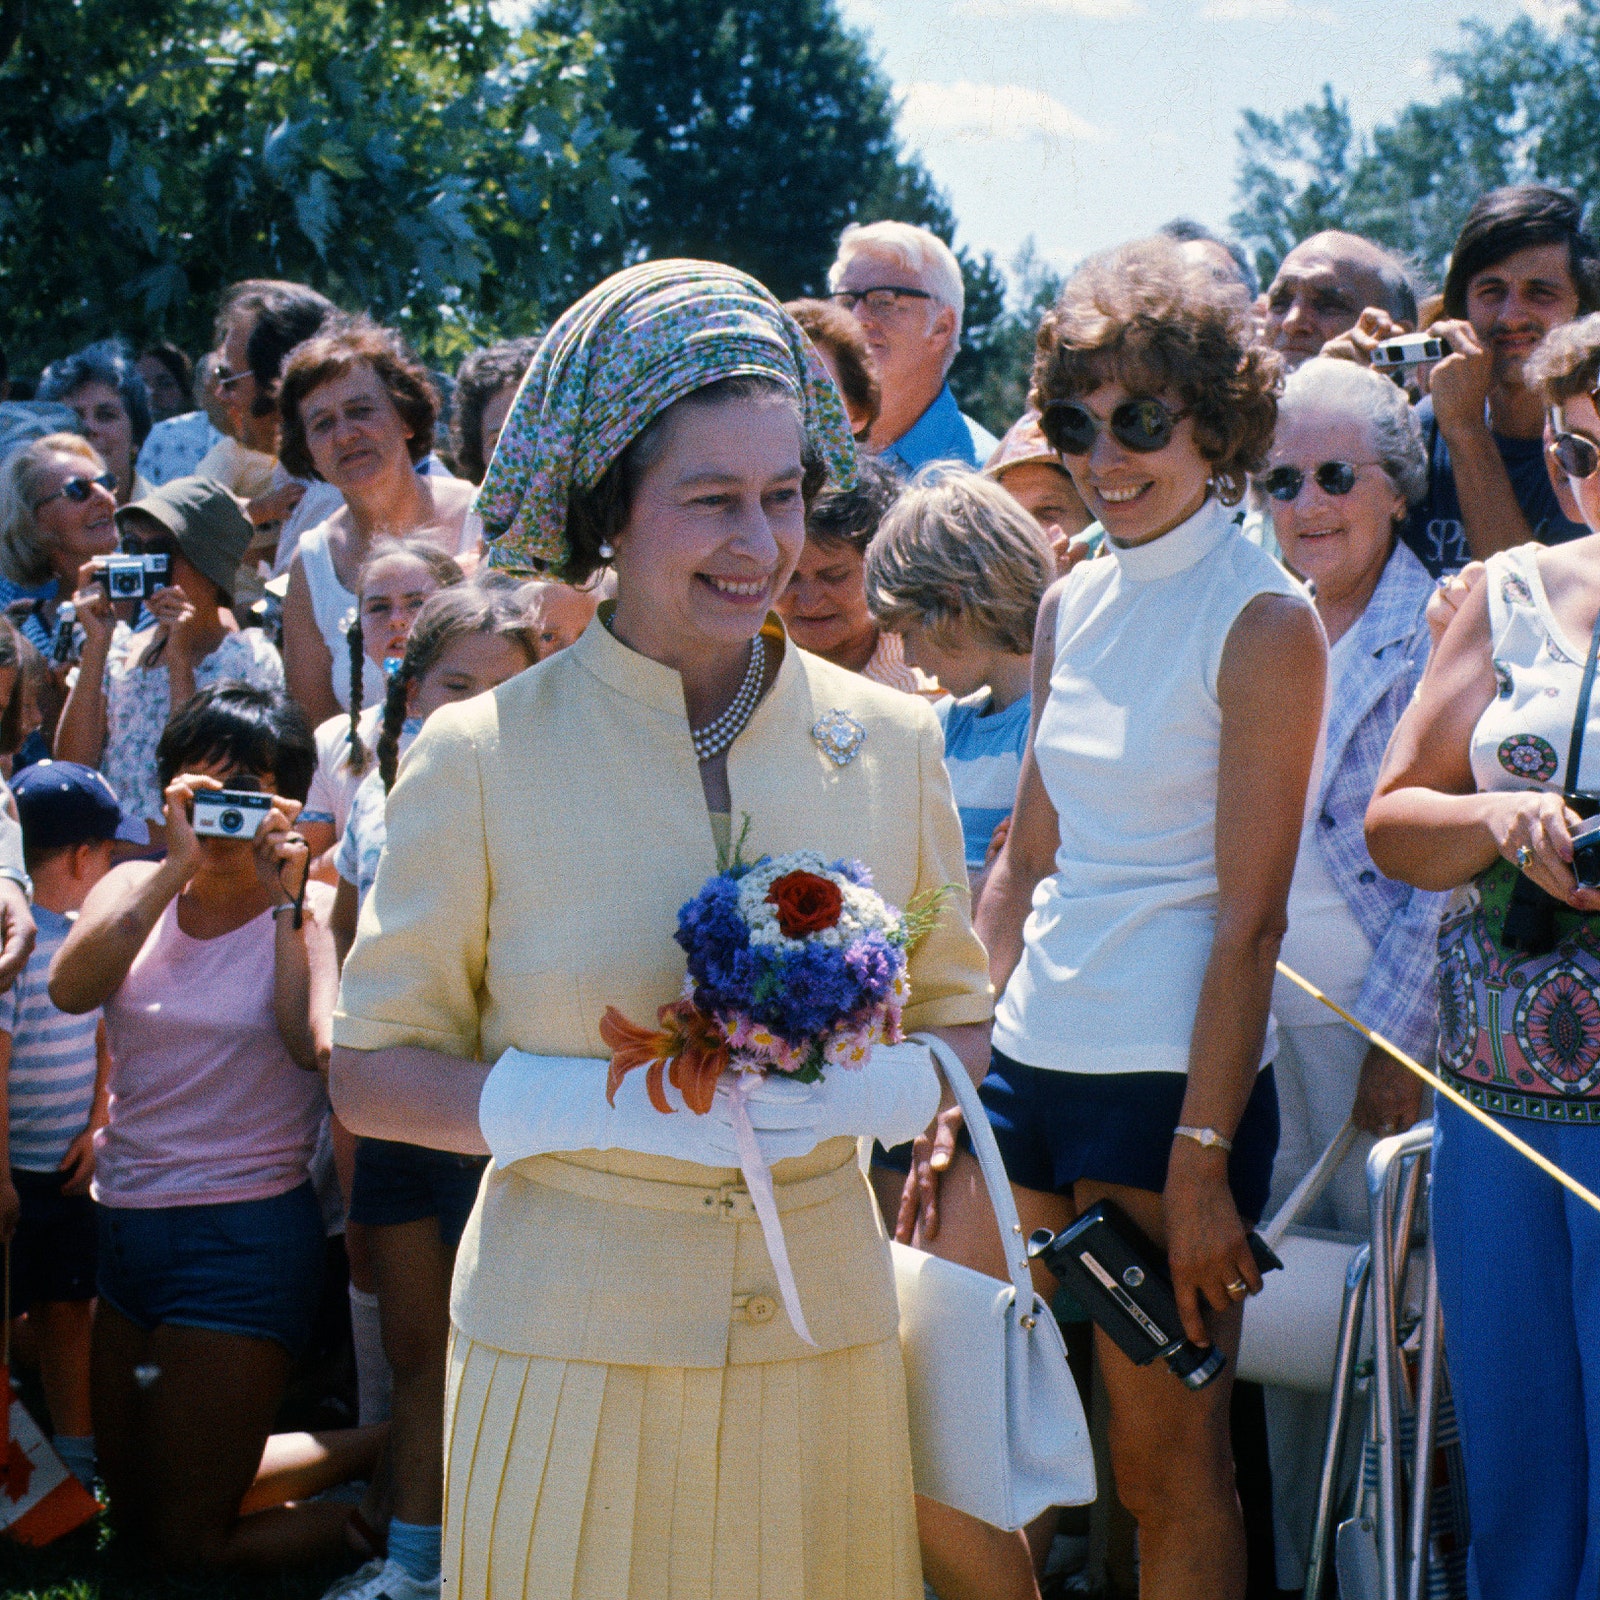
pixel 230 813
pixel 131 577
pixel 1408 350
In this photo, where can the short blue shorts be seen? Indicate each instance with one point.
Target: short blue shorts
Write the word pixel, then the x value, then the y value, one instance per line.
pixel 248 1267
pixel 1057 1128
pixel 397 1183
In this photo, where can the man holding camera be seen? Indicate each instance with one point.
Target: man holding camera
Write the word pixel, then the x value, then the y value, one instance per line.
pixel 1521 266
pixel 1323 285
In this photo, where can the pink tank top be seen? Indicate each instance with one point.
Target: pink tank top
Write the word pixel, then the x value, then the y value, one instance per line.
pixel 207 1105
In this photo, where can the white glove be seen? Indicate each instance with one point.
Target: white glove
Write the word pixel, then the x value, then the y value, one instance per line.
pixel 531 1105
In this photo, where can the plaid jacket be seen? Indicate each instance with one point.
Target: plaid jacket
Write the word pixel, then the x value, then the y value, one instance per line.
pixel 1400 996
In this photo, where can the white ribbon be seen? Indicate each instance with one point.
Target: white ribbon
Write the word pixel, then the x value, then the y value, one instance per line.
pixel 758 1180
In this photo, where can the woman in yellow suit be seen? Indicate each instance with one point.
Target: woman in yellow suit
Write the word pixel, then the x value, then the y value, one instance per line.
pixel 630 1412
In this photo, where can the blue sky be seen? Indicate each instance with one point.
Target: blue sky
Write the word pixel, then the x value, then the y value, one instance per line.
pixel 1086 122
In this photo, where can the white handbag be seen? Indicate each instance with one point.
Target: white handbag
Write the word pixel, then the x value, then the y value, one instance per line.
pixel 997 1429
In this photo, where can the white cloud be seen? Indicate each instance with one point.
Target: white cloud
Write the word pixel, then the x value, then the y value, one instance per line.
pixel 1263 11
pixel 1552 15
pixel 989 111
pixel 1095 10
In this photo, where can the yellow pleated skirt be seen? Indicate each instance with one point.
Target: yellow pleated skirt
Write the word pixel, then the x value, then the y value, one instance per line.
pixel 575 1480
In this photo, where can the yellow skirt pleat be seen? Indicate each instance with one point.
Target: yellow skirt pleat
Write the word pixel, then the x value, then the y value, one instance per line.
pixel 571 1480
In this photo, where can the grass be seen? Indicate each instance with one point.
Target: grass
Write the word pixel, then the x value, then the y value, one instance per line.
pixel 88 1565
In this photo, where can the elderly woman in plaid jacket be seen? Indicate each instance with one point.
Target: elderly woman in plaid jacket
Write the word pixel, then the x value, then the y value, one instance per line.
pixel 1347 459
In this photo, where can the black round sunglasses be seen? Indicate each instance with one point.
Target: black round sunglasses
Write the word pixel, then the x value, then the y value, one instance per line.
pixel 78 490
pixel 1575 453
pixel 1331 477
pixel 1143 424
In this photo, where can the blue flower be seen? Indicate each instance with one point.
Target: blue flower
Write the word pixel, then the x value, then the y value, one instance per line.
pixel 858 872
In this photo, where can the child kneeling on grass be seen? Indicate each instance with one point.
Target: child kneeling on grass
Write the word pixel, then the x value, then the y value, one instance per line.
pixel 53 1070
pixel 957 569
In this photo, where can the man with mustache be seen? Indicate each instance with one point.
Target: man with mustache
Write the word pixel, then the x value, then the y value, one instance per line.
pixel 1521 266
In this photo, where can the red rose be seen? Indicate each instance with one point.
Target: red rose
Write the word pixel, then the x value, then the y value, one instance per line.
pixel 806 903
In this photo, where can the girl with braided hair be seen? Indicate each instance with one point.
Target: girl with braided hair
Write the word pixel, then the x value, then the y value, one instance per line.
pixel 408 1203
pixel 394 583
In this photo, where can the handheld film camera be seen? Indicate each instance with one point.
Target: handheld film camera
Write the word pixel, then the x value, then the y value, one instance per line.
pixel 230 813
pixel 1408 350
pixel 1119 1278
pixel 126 577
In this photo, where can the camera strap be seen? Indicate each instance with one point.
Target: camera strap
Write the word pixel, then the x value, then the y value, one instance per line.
pixel 1580 720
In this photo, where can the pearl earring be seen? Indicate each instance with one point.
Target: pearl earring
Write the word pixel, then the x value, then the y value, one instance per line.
pixel 606 552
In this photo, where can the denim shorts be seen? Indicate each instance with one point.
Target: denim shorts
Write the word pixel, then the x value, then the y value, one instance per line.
pixel 397 1183
pixel 1055 1129
pixel 53 1250
pixel 248 1267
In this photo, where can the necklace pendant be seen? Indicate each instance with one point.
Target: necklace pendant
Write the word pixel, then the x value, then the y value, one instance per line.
pixel 840 736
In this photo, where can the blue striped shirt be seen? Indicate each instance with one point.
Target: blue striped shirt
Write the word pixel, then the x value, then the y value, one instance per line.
pixel 52 1058
pixel 983 754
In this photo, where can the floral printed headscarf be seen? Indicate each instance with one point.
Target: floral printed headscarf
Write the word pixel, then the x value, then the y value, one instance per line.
pixel 616 360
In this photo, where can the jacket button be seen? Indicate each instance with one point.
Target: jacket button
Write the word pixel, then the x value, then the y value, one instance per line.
pixel 760 1308
pixel 1326 819
pixel 1366 875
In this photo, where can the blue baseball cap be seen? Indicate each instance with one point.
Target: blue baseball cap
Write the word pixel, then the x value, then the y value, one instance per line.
pixel 62 803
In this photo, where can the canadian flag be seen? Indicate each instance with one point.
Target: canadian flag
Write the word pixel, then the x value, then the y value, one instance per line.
pixel 39 1498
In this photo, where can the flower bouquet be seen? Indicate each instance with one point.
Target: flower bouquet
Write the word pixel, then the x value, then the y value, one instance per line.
pixel 796 967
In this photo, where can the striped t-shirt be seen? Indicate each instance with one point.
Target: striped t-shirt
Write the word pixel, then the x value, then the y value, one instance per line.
pixel 52 1058
pixel 983 754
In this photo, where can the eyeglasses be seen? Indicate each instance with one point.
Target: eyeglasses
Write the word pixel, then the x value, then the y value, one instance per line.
pixel 1576 454
pixel 223 379
pixel 1144 425
pixel 78 490
pixel 880 300
pixel 1331 477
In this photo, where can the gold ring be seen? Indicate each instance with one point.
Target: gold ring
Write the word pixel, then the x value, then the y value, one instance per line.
pixel 1238 1289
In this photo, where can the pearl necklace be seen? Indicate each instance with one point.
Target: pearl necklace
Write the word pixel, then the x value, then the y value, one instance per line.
pixel 711 740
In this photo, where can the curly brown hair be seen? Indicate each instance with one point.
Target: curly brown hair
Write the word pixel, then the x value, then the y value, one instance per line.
pixel 1143 316
pixel 596 516
pixel 1567 361
pixel 332 354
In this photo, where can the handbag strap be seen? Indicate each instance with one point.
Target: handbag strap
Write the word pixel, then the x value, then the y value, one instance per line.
pixel 1580 720
pixel 1308 1191
pixel 1012 1245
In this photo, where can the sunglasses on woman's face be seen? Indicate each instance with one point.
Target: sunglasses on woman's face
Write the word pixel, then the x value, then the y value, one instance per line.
pixel 1144 425
pixel 1331 477
pixel 78 490
pixel 1575 453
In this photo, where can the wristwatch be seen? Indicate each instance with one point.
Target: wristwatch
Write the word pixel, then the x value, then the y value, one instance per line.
pixel 1206 1138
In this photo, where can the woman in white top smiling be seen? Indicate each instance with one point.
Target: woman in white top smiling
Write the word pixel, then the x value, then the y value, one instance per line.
pixel 1177 698
pixel 357 411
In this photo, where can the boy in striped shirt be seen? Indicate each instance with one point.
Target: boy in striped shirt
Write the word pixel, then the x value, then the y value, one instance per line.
pixel 53 1071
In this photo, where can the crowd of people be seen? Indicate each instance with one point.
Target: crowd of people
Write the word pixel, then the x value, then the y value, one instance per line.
pixel 1246 640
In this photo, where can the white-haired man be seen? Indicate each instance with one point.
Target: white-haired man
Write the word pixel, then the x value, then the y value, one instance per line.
pixel 903 285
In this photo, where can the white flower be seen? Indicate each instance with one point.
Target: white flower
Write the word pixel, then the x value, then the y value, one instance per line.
pixel 862 911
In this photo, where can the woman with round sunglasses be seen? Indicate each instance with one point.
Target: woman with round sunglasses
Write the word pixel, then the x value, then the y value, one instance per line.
pixel 1347 462
pixel 1475 796
pixel 1133 915
pixel 57 512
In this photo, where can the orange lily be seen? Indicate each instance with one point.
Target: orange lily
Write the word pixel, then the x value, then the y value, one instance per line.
pixel 688 1042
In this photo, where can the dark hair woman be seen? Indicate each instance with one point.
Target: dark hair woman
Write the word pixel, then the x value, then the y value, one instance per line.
pixel 217 995
pixel 540 841
pixel 486 384
pixel 1133 914
pixel 102 384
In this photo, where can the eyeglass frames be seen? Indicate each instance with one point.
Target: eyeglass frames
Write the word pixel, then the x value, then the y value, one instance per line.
pixel 1331 477
pixel 1575 453
pixel 881 299
pixel 78 490
pixel 1143 424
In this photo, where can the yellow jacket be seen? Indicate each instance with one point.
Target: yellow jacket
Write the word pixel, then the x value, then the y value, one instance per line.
pixel 540 842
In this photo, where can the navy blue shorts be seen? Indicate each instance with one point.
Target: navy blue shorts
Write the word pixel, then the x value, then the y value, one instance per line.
pixel 248 1267
pixel 1057 1128
pixel 53 1249
pixel 397 1183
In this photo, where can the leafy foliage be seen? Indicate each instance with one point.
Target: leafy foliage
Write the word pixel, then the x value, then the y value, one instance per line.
pixel 413 158
pixel 1525 105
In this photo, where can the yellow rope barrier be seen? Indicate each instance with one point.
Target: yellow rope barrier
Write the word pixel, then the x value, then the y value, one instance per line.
pixel 1439 1086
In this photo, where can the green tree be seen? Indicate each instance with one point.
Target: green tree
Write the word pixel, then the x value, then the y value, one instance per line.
pixel 414 159
pixel 1522 103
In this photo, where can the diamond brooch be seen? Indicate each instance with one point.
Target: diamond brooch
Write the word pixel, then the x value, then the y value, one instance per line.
pixel 840 736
